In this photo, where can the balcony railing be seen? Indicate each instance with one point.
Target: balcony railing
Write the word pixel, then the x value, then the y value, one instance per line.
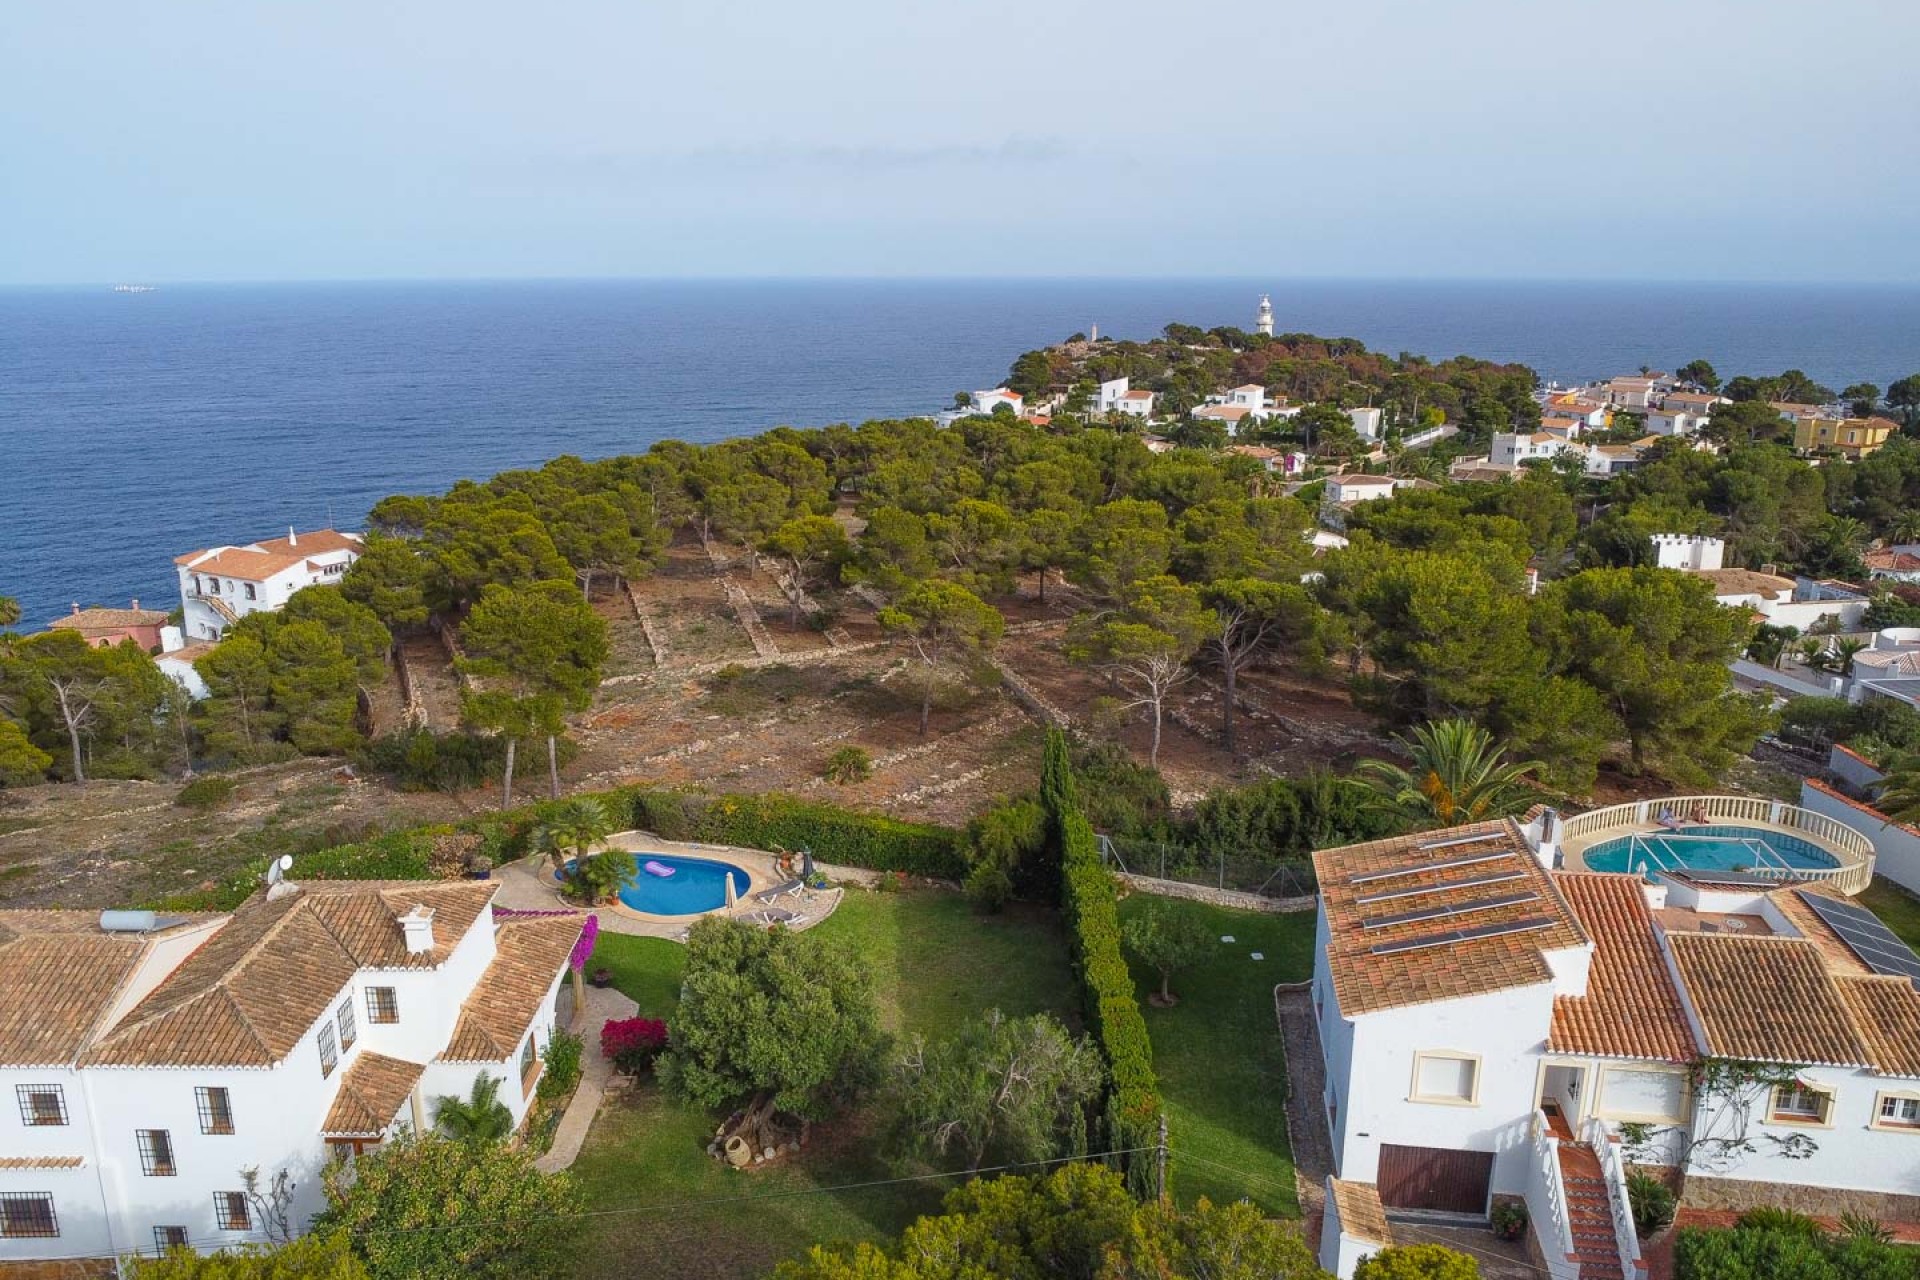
pixel 1852 851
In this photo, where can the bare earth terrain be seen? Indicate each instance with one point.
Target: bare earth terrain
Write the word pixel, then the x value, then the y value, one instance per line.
pixel 728 693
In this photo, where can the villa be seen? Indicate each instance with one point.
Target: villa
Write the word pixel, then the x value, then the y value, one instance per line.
pixel 221 585
pixel 1519 1009
pixel 153 1058
pixel 1853 438
pixel 102 628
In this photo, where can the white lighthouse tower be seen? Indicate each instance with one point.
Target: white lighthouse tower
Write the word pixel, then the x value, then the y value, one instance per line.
pixel 1263 319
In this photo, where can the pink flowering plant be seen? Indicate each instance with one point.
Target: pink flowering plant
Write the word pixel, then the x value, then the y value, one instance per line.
pixel 632 1044
pixel 589 934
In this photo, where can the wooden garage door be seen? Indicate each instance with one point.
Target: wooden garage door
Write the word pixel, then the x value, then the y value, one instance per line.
pixel 1435 1178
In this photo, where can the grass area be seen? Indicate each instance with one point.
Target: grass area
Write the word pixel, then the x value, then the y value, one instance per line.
pixel 1897 909
pixel 934 963
pixel 1221 1062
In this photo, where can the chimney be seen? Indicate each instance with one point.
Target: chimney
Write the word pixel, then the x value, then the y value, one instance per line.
pixel 76 606
pixel 136 604
pixel 417 925
pixel 293 539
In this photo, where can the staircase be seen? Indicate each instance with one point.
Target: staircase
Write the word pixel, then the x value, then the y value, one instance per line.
pixel 1588 1213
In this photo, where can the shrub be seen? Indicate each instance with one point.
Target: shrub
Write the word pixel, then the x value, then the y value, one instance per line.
pixel 563 1066
pixel 668 814
pixel 835 835
pixel 206 792
pixel 603 876
pixel 1417 1262
pixel 1652 1203
pixel 1510 1219
pixel 632 1044
pixel 988 887
pixel 848 765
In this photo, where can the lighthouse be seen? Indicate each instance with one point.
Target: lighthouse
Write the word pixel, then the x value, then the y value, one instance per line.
pixel 1263 319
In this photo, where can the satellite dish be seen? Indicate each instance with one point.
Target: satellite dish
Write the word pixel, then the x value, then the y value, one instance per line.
pixel 277 869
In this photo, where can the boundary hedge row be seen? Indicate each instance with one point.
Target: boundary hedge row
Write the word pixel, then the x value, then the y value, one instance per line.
pixel 835 835
pixel 1092 909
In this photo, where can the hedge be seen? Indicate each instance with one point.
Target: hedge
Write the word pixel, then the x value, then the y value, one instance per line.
pixel 834 835
pixel 1092 909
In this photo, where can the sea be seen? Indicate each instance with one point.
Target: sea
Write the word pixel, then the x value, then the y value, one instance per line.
pixel 138 426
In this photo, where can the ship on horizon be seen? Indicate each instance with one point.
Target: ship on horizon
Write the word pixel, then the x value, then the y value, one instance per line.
pixel 133 288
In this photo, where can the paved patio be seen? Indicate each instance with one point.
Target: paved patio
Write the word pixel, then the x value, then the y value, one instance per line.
pixel 596 1075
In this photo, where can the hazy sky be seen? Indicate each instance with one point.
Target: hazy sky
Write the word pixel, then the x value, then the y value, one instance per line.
pixel 268 139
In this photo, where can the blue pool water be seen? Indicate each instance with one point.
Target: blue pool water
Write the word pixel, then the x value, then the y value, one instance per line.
pixel 1708 849
pixel 696 885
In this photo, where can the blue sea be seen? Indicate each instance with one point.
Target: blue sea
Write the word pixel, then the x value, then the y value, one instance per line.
pixel 134 427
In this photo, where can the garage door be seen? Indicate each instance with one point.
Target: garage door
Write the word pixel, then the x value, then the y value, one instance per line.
pixel 1435 1178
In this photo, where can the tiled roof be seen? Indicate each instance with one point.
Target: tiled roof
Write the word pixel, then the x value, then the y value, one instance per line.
pixel 1886 1013
pixel 1766 999
pixel 109 619
pixel 1230 412
pixel 496 1016
pixel 1892 561
pixel 1631 1009
pixel 1362 1216
pixel 43 1162
pixel 258 561
pixel 252 990
pixel 1838 956
pixel 1366 980
pixel 60 975
pixel 371 1094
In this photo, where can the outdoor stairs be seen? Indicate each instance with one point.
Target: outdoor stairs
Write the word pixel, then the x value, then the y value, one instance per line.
pixel 1589 1214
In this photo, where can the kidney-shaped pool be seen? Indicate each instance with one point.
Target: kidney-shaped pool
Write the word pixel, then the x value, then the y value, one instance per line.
pixel 693 885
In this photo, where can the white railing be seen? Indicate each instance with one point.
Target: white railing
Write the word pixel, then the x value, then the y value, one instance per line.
pixel 1613 1171
pixel 1853 851
pixel 1546 1197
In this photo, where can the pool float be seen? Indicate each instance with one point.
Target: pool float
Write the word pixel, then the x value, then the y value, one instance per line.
pixel 656 868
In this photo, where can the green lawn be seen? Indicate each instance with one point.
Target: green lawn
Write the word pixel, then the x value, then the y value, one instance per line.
pixel 1897 909
pixel 934 962
pixel 1222 1065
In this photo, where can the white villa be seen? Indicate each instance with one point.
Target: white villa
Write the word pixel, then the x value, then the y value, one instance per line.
pixel 1498 1021
pixel 221 585
pixel 988 401
pixel 151 1059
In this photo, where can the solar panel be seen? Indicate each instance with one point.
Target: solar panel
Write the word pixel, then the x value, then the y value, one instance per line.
pixel 1529 925
pixel 1739 879
pixel 1472 882
pixel 1445 864
pixel 1447 910
pixel 1877 946
pixel 1478 838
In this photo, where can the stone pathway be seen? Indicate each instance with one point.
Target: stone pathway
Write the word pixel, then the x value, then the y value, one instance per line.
pixel 1306 1084
pixel 596 1073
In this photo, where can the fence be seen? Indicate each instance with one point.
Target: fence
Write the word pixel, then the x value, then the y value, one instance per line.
pixel 1240 871
pixel 1853 851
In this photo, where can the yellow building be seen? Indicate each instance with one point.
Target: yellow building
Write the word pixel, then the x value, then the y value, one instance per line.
pixel 1854 437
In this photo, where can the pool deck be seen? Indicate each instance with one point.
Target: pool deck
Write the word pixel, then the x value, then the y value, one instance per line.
pixel 1573 852
pixel 527 885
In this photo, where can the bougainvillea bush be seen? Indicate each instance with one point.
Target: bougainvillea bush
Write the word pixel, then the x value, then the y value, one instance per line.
pixel 632 1044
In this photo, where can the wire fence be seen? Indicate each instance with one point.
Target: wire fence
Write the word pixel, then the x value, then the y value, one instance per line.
pixel 1246 871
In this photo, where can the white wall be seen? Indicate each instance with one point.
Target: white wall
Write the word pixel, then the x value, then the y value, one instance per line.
pixel 1896 848
pixel 1848 1153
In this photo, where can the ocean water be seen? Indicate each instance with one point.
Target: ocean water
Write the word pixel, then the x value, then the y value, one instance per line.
pixel 137 427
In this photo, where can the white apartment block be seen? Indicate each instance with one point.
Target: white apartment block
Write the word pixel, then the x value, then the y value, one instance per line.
pixel 221 585
pixel 145 1061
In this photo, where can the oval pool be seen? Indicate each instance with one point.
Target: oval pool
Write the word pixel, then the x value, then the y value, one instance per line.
pixel 1708 848
pixel 696 885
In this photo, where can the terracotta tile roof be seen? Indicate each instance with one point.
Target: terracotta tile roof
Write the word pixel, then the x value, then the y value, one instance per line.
pixel 1228 412
pixel 1728 582
pixel 1362 1216
pixel 190 653
pixel 1892 561
pixel 1886 1013
pixel 371 1094
pixel 1137 395
pixel 60 975
pixel 1631 1009
pixel 1766 1000
pixel 109 619
pixel 258 561
pixel 1839 957
pixel 1366 980
pixel 252 990
pixel 495 1018
pixel 43 1162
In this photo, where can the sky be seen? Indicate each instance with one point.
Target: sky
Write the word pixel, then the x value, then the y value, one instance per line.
pixel 359 139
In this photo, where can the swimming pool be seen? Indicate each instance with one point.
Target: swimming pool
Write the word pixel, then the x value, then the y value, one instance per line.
pixel 1708 849
pixel 696 885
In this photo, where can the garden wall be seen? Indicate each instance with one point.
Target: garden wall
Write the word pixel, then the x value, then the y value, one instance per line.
pixel 1896 845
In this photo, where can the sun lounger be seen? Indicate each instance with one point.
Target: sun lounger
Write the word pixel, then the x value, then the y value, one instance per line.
pixel 779 891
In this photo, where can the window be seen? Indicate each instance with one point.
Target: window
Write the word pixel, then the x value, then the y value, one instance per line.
pixel 1446 1077
pixel 41 1104
pixel 1897 1111
pixel 348 1031
pixel 329 1054
pixel 1799 1104
pixel 381 1005
pixel 165 1238
pixel 251 593
pixel 529 1062
pixel 27 1213
pixel 1639 1095
pixel 213 586
pixel 156 1153
pixel 216 1110
pixel 196 584
pixel 231 1212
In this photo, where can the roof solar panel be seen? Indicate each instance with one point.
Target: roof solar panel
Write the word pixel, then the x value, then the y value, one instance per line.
pixel 1479 837
pixel 1449 910
pixel 1445 864
pixel 1412 890
pixel 1528 925
pixel 1878 947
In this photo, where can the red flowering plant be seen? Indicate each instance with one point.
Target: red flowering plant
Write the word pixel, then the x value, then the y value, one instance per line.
pixel 632 1044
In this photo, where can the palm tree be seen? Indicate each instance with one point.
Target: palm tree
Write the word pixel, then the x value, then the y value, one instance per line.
pixel 478 1118
pixel 1459 775
pixel 1899 795
pixel 1813 653
pixel 1843 650
pixel 1905 527
pixel 572 828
